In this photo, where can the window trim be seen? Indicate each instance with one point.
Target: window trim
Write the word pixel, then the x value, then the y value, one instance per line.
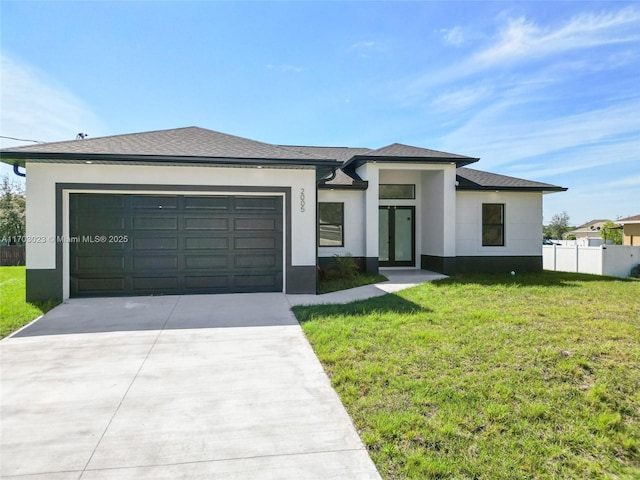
pixel 413 191
pixel 502 225
pixel 341 224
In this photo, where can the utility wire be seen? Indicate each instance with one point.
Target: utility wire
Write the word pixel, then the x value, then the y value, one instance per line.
pixel 22 139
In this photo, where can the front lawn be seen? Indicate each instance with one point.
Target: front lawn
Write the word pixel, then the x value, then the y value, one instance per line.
pixel 14 310
pixel 491 377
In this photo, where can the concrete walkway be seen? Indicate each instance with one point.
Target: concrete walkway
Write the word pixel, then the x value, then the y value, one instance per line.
pixel 398 279
pixel 193 387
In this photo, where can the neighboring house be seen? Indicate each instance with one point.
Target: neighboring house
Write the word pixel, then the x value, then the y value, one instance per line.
pixel 588 234
pixel 630 230
pixel 191 210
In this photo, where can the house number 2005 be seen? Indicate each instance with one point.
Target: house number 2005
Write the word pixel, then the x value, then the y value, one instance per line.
pixel 302 200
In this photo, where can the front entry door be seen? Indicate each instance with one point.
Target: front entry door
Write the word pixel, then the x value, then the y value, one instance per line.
pixel 397 236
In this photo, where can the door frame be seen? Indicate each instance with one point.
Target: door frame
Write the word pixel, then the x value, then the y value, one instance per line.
pixel 392 262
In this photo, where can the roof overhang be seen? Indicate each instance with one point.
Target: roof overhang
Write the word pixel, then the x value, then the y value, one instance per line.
pixel 353 186
pixel 359 160
pixel 485 188
pixel 22 158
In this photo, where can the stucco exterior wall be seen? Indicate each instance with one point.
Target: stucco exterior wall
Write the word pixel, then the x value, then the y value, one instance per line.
pixel 523 223
pixel 631 234
pixel 354 227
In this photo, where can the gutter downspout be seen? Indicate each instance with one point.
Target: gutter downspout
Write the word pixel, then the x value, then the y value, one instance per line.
pixel 18 172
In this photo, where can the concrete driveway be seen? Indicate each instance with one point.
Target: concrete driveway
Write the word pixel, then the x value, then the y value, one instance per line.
pixel 179 387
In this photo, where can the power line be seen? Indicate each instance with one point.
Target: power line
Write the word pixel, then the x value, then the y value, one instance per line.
pixel 22 139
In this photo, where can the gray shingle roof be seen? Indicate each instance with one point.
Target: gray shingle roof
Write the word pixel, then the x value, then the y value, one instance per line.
pixel 179 142
pixel 470 179
pixel 398 152
pixel 339 153
pixel 201 146
pixel 408 151
pixel 632 219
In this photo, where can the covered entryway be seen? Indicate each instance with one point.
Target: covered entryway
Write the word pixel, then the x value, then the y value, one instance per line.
pixel 139 244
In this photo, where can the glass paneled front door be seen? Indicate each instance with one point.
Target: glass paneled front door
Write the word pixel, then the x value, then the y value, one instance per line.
pixel 396 245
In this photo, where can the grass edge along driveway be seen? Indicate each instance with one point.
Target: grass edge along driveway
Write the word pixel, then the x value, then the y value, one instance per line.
pixel 15 312
pixel 480 376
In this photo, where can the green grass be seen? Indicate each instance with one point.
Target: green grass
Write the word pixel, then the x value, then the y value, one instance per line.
pixel 491 377
pixel 333 285
pixel 14 310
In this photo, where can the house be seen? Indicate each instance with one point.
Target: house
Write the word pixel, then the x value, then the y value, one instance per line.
pixel 588 235
pixel 191 210
pixel 630 230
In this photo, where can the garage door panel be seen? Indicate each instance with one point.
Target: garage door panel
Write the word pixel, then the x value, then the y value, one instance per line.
pixel 102 286
pixel 206 262
pixel 95 245
pixel 255 224
pixel 206 243
pixel 155 202
pixel 254 243
pixel 257 204
pixel 206 223
pixel 100 264
pixel 176 244
pixel 98 201
pixel 170 243
pixel 157 222
pixel 165 262
pixel 254 280
pixel 207 282
pixel 207 203
pixel 257 261
pixel 103 224
pixel 166 284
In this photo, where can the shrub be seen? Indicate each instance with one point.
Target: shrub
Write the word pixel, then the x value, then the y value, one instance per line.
pixel 635 271
pixel 342 267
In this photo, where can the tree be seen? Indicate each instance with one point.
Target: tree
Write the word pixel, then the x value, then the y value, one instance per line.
pixel 611 232
pixel 12 212
pixel 558 226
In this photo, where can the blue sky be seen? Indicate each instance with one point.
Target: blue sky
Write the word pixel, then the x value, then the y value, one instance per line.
pixel 548 91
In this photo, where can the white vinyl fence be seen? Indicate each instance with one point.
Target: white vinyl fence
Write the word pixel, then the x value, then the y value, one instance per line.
pixel 612 260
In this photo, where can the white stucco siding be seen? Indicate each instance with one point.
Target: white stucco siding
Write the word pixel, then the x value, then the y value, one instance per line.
pixel 41 204
pixel 523 223
pixel 354 231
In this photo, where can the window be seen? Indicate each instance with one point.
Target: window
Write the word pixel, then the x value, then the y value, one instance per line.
pixel 331 224
pixel 493 225
pixel 397 191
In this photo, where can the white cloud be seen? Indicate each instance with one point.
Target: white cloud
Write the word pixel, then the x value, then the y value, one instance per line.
pixel 522 39
pixel 499 139
pixel 461 99
pixel 366 48
pixel 285 68
pixel 453 36
pixel 34 107
pixel 364 45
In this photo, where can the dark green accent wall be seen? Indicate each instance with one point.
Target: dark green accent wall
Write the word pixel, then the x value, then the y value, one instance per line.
pixel 453 265
pixel 446 265
pixel 371 265
pixel 301 279
pixel 530 264
pixel 43 284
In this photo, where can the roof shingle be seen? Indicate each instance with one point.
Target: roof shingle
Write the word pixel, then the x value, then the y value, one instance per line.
pixel 471 179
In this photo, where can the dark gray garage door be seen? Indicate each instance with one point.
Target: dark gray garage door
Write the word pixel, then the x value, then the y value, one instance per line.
pixel 174 244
